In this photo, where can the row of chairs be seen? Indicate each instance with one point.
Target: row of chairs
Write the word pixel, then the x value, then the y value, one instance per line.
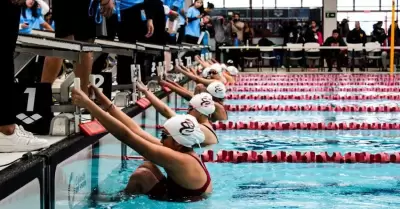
pixel 295 53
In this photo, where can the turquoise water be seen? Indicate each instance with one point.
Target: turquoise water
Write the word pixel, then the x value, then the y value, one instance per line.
pixel 280 186
pixel 338 117
pixel 283 185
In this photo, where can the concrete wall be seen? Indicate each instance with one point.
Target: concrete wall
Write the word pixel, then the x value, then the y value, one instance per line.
pixel 329 23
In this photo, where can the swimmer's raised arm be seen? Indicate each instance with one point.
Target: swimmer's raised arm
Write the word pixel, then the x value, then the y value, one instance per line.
pixel 181 91
pixel 121 116
pixel 203 63
pixel 193 77
pixel 160 106
pixel 160 155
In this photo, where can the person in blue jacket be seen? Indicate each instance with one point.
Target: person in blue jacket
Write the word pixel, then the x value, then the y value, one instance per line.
pixel 193 18
pixel 31 18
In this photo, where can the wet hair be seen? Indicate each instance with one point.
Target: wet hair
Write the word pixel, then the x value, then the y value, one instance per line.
pixel 34 9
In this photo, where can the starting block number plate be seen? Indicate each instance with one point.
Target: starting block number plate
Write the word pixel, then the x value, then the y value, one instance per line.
pixel 33 107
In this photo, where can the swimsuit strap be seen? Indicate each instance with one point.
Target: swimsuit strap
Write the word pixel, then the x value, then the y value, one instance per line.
pixel 205 186
pixel 212 130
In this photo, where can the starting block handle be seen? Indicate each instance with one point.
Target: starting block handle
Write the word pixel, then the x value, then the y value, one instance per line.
pixel 77 115
pixel 92 80
pixel 134 80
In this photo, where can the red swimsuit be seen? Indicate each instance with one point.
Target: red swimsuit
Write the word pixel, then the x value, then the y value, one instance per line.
pixel 167 188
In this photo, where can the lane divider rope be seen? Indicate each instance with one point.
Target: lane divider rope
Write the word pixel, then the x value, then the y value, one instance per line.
pixel 279 126
pixel 312 83
pixel 308 89
pixel 229 156
pixel 295 108
pixel 311 97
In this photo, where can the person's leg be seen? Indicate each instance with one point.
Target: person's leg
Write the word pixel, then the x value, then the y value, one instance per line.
pixel 101 62
pixel 384 60
pixel 85 31
pixel 64 21
pixel 329 62
pixel 12 137
pixel 130 29
pixel 80 27
pixel 181 34
pixel 339 61
pixel 11 13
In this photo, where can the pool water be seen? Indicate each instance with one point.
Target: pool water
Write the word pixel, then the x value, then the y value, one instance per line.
pixel 344 186
pixel 280 186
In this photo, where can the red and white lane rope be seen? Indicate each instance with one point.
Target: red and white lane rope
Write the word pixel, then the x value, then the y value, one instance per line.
pixel 311 97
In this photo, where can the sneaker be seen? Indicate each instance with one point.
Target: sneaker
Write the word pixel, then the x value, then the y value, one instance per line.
pixel 21 141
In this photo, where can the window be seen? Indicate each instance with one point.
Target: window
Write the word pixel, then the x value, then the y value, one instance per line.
pixel 367 20
pixel 387 4
pixel 257 4
pixel 361 5
pixel 345 5
pixel 312 3
pixel 269 3
pixel 217 3
pixel 237 3
pixel 288 3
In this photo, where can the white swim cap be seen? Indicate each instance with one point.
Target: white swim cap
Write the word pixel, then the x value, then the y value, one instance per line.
pixel 217 89
pixel 232 70
pixel 203 103
pixel 224 67
pixel 205 72
pixel 185 130
pixel 217 67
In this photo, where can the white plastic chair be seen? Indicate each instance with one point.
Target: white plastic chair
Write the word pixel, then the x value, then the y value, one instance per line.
pixel 355 52
pixel 294 48
pixel 268 51
pixel 308 48
pixel 372 49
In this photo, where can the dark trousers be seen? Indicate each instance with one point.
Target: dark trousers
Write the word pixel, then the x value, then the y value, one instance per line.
pixel 331 57
pixel 181 34
pixel 191 40
pixel 11 14
pixel 218 52
pixel 131 29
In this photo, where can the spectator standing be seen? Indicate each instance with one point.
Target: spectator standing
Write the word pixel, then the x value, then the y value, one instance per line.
pixel 344 28
pixel 194 16
pixel 237 26
pixel 80 26
pixel 379 35
pixel 357 36
pixel 13 138
pixel 223 31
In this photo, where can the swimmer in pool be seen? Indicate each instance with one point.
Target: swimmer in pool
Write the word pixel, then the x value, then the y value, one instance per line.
pixel 208 75
pixel 187 177
pixel 216 89
pixel 201 106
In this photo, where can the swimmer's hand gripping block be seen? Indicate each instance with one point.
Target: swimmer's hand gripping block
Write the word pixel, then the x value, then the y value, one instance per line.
pixel 92 128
